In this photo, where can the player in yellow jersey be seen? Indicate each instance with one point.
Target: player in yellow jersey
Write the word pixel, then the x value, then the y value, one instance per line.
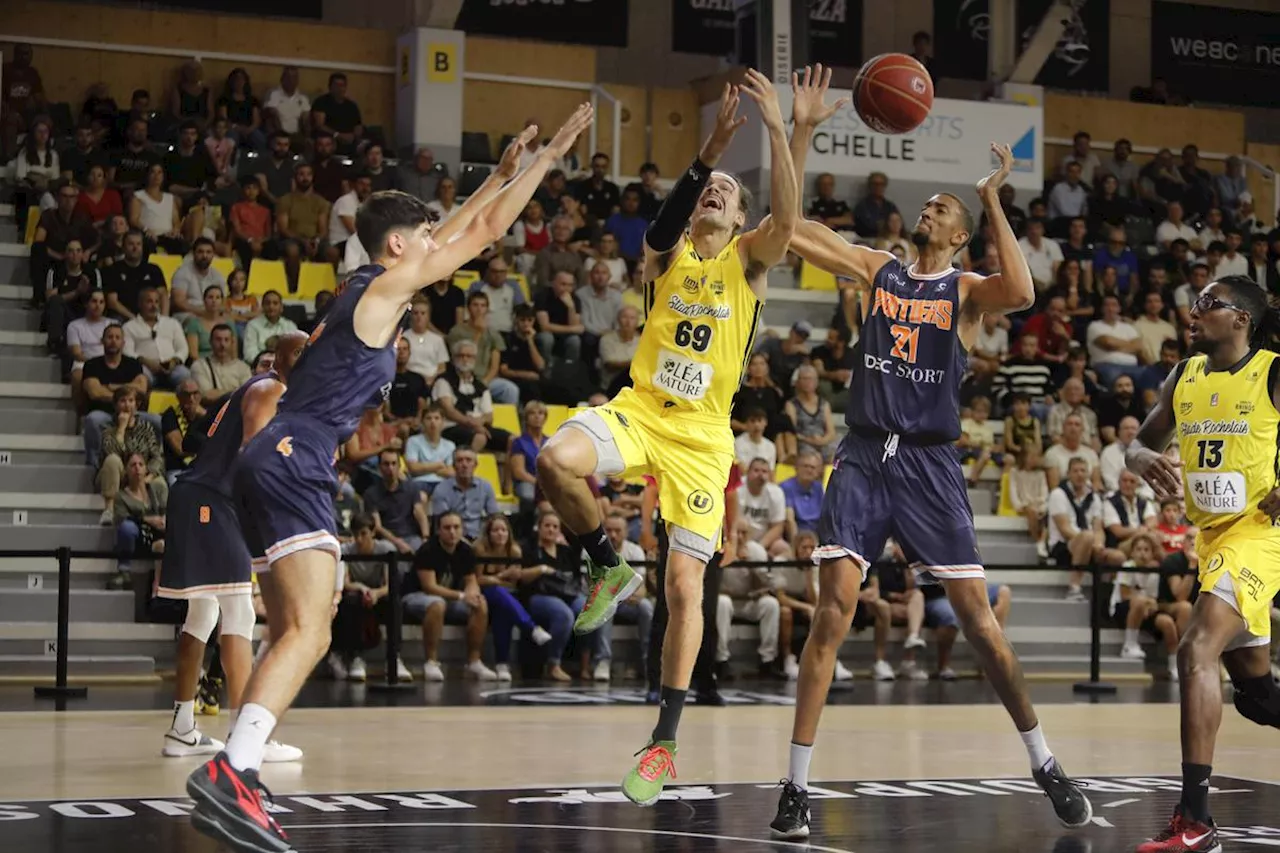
pixel 705 292
pixel 1221 405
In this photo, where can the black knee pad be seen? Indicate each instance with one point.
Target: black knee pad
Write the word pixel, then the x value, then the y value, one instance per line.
pixel 1258 700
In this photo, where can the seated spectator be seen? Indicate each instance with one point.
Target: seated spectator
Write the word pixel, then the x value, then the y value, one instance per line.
pixel 1071 446
pixel 250 222
pixel 1159 181
pixel 618 348
pixel 158 342
pixel 551 193
pixel 243 306
pixel 989 349
pixel 560 327
pixel 523 457
pixel 1211 228
pixel 342 216
pixel 270 324
pixel 1080 300
pixel 111 244
pixel 977 440
pixel 1261 268
pixel 428 355
pixel 1119 404
pixel 188 167
pixel 628 226
pixel 625 499
pixel 1028 373
pixel 409 395
pixel 834 361
pixel 1076 537
pixel 1069 198
pixel 489 346
pixel 759 391
pixel 599 196
pixel 363 605
pixel 175 423
pixel 1073 403
pixel 84 341
pixel 1017 216
pixel 1121 167
pixel 1021 427
pixel 471 498
pixel 192 280
pixel 752 443
pixel 125 281
pixel 499 583
pixel 125 434
pixel 558 257
pixel 67 289
pixel 941 617
pixel 302 218
pixel 241 111
pixel 191 98
pixel 76 161
pixel 220 372
pixel 785 355
pixel 381 177
pixel 503 294
pixel 636 610
pixel 443 589
pixel 103 377
pixel 1197 197
pixel 1042 254
pixel 445 203
pixel 221 149
pixel 398 510
pixel 1052 329
pixel 896 584
pixel 1116 254
pixel 339 116
pixel 138 513
pixel 605 251
pixel 826 208
pixel 98 202
pixel 1029 490
pixel 1172 527
pixel 1232 262
pixel 286 109
pixel 1114 344
pixel 1153 329
pixel 796 588
pixel 522 363
pixel 1081 155
pixel 1109 207
pixel 131 163
pixel 1127 513
pixel 1111 461
pixel 36 168
pixel 1174 228
pixel 747 594
pixel 815 427
pixel 362 450
pixel 870 213
pixel 428 455
pixel 599 305
pixel 467 406
pixel 1135 603
pixel 870 610
pixel 556 593
pixel 762 511
pixel 54 230
pixel 803 494
pixel 199 325
pixel 1078 369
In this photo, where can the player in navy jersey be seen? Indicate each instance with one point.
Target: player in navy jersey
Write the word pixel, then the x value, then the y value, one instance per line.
pixel 285 479
pixel 896 473
pixel 206 561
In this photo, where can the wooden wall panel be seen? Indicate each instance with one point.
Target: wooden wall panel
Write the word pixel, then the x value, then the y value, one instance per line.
pixel 1144 124
pixel 501 108
pixel 675 129
pixel 531 59
pixel 634 107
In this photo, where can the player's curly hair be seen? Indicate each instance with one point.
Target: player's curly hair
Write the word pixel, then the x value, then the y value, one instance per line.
pixel 1263 310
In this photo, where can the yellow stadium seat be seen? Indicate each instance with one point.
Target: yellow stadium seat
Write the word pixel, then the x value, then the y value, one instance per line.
pixel 267 275
pixel 826 475
pixel 168 265
pixel 226 266
pixel 33 222
pixel 812 278
pixel 161 402
pixel 313 279
pixel 556 415
pixel 464 278
pixel 1006 500
pixel 524 285
pixel 506 417
pixel 783 473
pixel 487 469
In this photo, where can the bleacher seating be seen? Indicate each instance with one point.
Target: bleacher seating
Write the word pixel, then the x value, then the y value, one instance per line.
pixel 506 417
pixel 314 278
pixel 168 265
pixel 33 222
pixel 159 402
pixel 487 470
pixel 556 415
pixel 267 275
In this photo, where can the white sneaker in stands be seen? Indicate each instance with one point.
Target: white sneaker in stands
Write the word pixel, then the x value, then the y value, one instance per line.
pixel 540 636
pixel 602 672
pixel 882 671
pixel 277 753
pixel 503 671
pixel 431 671
pixel 913 642
pixel 337 667
pixel 791 668
pixel 477 670
pixel 402 671
pixel 947 674
pixel 194 742
pixel 842 672
pixel 1132 651
pixel 356 672
pixel 913 672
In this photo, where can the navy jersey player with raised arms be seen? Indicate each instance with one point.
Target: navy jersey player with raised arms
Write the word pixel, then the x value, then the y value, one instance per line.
pixel 896 472
pixel 285 480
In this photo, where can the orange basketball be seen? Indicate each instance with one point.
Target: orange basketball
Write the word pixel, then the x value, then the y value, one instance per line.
pixel 893 93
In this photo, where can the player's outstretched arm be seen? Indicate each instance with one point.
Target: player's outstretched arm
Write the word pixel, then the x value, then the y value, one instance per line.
pixel 825 249
pixel 507 169
pixel 1011 289
pixel 767 244
pixel 1145 457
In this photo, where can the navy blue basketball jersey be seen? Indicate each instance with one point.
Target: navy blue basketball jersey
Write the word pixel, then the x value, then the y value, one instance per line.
pixel 223 436
pixel 337 373
pixel 909 357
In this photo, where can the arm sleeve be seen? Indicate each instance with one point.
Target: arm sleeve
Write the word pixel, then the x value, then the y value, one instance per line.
pixel 665 230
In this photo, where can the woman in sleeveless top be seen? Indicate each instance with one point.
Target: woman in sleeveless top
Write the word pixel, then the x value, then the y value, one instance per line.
pixel 199 326
pixel 36 167
pixel 498 584
pixel 190 98
pixel 759 392
pixel 242 111
pixel 157 214
pixel 812 415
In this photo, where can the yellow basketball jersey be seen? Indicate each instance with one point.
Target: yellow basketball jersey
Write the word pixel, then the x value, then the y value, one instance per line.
pixel 700 321
pixel 1227 433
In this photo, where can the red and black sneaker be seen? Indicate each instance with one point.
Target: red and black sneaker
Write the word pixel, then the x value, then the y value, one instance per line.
pixel 1184 835
pixel 231 808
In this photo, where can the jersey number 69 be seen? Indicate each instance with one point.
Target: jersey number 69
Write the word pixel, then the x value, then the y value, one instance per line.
pixel 690 335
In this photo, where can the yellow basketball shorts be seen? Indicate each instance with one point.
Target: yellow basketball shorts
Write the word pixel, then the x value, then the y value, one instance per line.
pixel 689 454
pixel 1248 552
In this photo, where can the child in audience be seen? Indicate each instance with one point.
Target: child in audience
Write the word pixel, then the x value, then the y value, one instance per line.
pixel 530 236
pixel 243 306
pixel 977 438
pixel 752 444
pixel 1135 602
pixel 1029 491
pixel 1021 427
pixel 1173 526
pixel 221 148
pixel 250 221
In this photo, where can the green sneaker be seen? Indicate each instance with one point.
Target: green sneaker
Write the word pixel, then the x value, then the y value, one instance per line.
pixel 643 785
pixel 608 587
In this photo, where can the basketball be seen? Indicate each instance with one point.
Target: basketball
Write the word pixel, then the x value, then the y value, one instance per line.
pixel 893 93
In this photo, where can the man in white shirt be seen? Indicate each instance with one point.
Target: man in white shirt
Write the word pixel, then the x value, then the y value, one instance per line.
pixel 428 355
pixel 1233 262
pixel 762 511
pixel 1173 228
pixel 342 216
pixel 1043 256
pixel 1075 525
pixel 286 107
pixel 353 256
pixel 1114 344
pixel 1153 328
pixel 504 294
pixel 270 323
pixel 1126 513
pixel 158 342
pixel 1057 458
pixel 1069 198
pixel 196 275
pixel 1185 294
pixel 1212 231
pixel 752 444
pixel 991 347
pixel 1111 463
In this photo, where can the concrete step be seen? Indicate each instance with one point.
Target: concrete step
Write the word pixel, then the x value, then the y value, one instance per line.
pixel 9 231
pixel 15 268
pixel 32 368
pixel 25 573
pixel 997 551
pixel 33 420
pixel 19 319
pixel 982 501
pixel 23 339
pixel 87 605
pixel 43 449
pixel 1047 611
pixel 75 478
pixel 47 404
pixel 47 537
pixel 78 666
pixel 35 390
pixel 12 292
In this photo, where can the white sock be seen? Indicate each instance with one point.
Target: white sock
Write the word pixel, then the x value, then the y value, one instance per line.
pixel 799 769
pixel 184 716
pixel 248 739
pixel 1130 636
pixel 1037 749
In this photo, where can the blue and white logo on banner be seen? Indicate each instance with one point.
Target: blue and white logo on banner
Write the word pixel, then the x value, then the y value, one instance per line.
pixel 1024 153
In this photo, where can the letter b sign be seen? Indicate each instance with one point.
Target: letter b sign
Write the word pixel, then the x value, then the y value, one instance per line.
pixel 442 63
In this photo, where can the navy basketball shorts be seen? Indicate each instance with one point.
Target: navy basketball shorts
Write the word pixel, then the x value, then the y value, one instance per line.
pixel 284 488
pixel 914 493
pixel 204 549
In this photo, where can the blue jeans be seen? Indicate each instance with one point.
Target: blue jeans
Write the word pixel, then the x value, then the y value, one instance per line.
pixel 504 391
pixel 505 612
pixel 127 533
pixel 1107 373
pixel 556 615
pixel 638 613
pixel 170 380
pixel 570 346
pixel 255 139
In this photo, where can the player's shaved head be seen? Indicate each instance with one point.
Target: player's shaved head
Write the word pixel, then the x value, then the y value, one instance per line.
pixel 288 348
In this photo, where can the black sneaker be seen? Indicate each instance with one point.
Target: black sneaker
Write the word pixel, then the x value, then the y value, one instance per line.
pixel 1072 807
pixel 710 697
pixel 230 808
pixel 1254 711
pixel 792 820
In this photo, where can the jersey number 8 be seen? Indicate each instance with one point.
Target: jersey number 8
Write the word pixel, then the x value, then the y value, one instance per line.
pixel 689 334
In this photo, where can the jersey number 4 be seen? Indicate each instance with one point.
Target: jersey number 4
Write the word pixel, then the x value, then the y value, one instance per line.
pixel 1210 453
pixel 693 335
pixel 905 340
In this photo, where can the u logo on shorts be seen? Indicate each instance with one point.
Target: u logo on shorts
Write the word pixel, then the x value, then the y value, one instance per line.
pixel 700 502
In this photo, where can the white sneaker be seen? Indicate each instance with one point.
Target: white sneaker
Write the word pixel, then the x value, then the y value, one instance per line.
pixel 602 672
pixel 882 671
pixel 1132 651
pixel 843 673
pixel 1042 549
pixel 1173 673
pixel 277 753
pixel 336 667
pixel 356 672
pixel 791 668
pixel 107 518
pixel 503 672
pixel 540 636
pixel 431 671
pixel 913 672
pixel 1074 593
pixel 402 672
pixel 194 742
pixel 947 674
pixel 913 642
pixel 477 670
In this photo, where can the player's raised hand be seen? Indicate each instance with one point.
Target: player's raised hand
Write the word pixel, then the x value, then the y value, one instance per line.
pixel 727 123
pixel 988 186
pixel 809 92
pixel 1159 470
pixel 570 131
pixel 760 89
pixel 510 162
